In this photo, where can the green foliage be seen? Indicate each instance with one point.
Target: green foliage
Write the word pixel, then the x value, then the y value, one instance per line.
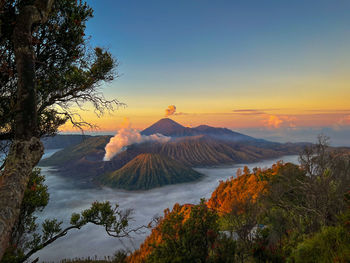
pixel 104 214
pixel 300 213
pixel 242 222
pixel 331 244
pixel 27 239
pixel 187 239
pixel 224 250
pixel 265 251
pixel 50 228
pixel 67 70
pixel 23 236
pixel 26 236
pixel 36 196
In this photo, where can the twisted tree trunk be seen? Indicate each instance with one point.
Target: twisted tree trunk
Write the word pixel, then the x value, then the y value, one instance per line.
pixel 26 150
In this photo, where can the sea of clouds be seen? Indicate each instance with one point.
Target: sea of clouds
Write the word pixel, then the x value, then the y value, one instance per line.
pixel 66 197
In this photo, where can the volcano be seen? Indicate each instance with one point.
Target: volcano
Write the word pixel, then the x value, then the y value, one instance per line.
pixel 148 171
pixel 167 127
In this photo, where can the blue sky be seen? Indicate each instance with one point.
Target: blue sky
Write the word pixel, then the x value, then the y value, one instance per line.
pixel 212 57
pixel 186 39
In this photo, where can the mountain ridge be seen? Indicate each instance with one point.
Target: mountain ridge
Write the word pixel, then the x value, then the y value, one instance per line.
pixel 85 163
pixel 169 127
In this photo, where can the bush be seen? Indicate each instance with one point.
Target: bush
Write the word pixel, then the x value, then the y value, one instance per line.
pixel 331 244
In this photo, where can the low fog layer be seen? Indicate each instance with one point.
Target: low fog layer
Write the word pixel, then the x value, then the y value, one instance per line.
pixel 339 136
pixel 65 198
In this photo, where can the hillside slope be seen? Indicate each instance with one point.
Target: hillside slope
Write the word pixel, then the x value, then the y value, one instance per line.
pixel 207 151
pixel 63 140
pixel 148 171
pixel 92 148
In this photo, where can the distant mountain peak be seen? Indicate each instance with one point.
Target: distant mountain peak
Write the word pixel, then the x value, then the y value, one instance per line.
pixel 167 127
pixel 168 121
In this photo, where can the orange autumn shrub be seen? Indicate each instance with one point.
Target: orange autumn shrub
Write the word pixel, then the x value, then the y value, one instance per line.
pixel 245 187
pixel 155 237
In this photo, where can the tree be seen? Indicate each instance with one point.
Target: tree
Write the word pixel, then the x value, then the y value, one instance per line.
pixel 242 222
pixel 46 66
pixel 331 244
pixel 67 70
pixel 26 240
pixel 313 192
pixel 35 199
pixel 237 200
pixel 305 200
pixel 271 211
pixel 187 236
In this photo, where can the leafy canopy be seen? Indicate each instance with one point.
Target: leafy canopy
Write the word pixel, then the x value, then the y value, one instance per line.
pixel 68 72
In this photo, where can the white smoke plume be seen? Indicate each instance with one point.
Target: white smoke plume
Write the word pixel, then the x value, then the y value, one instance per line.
pixel 170 110
pixel 127 136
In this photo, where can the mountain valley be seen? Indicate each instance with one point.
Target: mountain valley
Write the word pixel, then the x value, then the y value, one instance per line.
pixel 203 146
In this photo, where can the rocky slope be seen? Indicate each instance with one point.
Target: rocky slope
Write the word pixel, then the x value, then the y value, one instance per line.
pixel 148 171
